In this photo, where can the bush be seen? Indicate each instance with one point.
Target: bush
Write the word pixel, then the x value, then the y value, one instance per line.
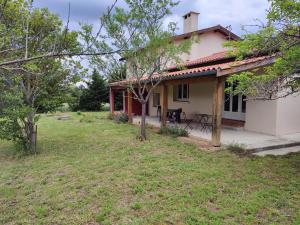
pixel 105 107
pixel 121 118
pixel 64 108
pixel 174 131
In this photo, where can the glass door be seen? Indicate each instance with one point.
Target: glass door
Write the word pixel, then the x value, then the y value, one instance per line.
pixel 234 106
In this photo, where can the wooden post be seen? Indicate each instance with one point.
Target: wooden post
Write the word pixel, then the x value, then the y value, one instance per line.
pixel 112 100
pixel 217 112
pixel 124 97
pixel 129 102
pixel 164 104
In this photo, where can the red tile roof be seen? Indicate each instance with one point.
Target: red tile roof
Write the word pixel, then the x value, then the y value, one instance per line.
pixel 207 59
pixel 202 69
pixel 215 67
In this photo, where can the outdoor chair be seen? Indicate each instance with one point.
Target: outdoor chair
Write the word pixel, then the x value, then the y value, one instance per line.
pixel 158 112
pixel 172 117
pixel 186 121
pixel 207 123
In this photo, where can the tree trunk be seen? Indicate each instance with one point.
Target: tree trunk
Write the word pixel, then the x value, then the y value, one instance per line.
pixel 31 133
pixel 143 122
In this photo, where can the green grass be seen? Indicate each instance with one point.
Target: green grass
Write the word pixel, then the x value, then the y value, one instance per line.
pixel 97 172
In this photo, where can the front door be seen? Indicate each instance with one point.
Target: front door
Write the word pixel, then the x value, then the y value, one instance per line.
pixel 234 106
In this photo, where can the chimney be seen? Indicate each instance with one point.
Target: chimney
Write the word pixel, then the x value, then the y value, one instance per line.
pixel 190 22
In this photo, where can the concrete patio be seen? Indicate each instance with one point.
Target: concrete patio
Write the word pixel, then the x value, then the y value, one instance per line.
pixel 229 136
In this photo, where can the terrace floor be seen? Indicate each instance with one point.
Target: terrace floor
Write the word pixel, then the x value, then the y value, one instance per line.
pixel 229 136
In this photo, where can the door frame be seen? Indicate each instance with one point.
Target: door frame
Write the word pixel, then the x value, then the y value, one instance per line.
pixel 239 115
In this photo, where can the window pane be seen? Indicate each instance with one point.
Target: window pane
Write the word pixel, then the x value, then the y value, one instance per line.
pixel 235 103
pixel 227 103
pixel 185 91
pixel 179 96
pixel 244 104
pixel 156 99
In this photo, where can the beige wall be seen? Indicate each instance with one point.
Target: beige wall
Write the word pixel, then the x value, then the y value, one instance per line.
pixel 261 116
pixel 153 110
pixel 288 115
pixel 207 44
pixel 276 117
pixel 200 100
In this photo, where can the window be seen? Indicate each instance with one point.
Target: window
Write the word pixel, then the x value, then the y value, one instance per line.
pixel 181 92
pixel 244 104
pixel 156 99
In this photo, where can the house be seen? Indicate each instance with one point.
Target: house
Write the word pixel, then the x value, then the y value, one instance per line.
pixel 199 88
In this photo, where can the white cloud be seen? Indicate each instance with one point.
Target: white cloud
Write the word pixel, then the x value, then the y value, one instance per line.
pixel 225 12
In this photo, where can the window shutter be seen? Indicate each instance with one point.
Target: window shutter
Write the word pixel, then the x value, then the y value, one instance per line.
pixel 175 87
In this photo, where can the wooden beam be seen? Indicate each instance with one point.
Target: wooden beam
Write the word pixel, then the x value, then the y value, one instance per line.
pixel 124 100
pixel 164 103
pixel 217 112
pixel 245 67
pixel 112 100
pixel 129 102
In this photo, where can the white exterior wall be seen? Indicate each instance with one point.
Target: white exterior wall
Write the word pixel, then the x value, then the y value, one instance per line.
pixel 276 117
pixel 288 115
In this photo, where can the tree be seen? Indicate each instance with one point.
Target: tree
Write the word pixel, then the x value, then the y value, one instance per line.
pixel 280 38
pixel 149 49
pixel 95 94
pixel 29 85
pixel 36 64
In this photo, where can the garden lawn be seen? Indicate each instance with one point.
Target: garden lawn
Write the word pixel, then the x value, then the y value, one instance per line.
pixel 90 170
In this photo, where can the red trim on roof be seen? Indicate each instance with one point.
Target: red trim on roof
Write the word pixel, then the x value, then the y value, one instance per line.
pixel 201 69
pixel 217 28
pixel 207 59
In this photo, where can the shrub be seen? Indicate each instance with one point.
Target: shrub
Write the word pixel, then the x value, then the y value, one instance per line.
pixel 78 113
pixel 121 118
pixel 105 107
pixel 136 206
pixel 174 131
pixel 63 108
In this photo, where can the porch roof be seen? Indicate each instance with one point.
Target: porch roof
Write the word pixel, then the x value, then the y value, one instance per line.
pixel 214 69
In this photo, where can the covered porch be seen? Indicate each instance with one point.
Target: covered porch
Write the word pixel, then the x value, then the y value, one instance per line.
pixel 234 136
pixel 201 91
pixel 183 94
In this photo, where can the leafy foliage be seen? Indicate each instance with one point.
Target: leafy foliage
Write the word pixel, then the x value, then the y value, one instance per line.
pixel 13 116
pixel 93 97
pixel 146 46
pixel 121 117
pixel 174 131
pixel 280 38
pixel 36 85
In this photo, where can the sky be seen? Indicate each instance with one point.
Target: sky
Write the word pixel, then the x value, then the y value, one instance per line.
pixel 212 12
pixel 234 13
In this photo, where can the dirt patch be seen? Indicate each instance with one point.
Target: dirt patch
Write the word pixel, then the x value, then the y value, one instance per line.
pixel 202 144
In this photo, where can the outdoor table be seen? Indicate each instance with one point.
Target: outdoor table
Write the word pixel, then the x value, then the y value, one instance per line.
pixel 203 120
